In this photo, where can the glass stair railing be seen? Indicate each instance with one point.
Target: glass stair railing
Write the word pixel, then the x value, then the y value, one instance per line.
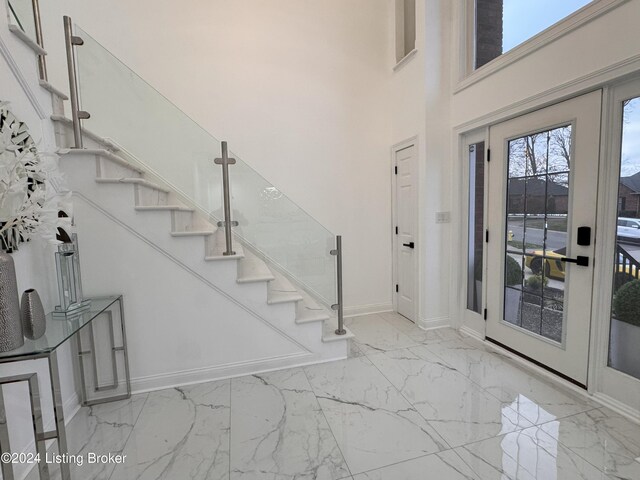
pixel 172 147
pixel 21 15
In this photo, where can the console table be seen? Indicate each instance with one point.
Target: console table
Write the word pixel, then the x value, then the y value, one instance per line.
pixel 60 328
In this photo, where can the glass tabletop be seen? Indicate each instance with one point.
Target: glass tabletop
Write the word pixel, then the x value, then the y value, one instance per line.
pixel 60 328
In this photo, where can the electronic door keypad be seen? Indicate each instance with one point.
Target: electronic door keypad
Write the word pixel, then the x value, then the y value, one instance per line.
pixel 584 236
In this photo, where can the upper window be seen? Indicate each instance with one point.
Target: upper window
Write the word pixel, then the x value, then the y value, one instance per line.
pixel 501 25
pixel 405 28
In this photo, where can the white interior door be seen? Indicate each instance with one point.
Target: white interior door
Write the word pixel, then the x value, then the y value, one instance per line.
pixel 543 173
pixel 406 207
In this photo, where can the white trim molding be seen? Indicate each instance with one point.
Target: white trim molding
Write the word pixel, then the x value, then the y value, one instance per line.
pixel 570 23
pixel 573 88
pixel 162 381
pixel 358 310
pixel 405 60
pixel 434 322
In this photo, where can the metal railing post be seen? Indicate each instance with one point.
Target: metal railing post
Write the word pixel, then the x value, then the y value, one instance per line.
pixel 225 161
pixel 71 41
pixel 340 305
pixel 42 62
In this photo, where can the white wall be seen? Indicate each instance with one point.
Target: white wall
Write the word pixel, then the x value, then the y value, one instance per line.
pixel 34 261
pixel 420 107
pixel 299 88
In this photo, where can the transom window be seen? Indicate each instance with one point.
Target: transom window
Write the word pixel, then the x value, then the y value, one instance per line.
pixel 501 25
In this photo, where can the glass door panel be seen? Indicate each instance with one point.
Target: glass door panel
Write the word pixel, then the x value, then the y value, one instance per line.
pixel 475 242
pixel 537 218
pixel 544 182
pixel 624 339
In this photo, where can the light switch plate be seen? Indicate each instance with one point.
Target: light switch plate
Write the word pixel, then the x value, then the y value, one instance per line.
pixel 443 217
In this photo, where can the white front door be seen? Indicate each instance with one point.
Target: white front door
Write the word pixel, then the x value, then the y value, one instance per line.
pixel 542 203
pixel 406 208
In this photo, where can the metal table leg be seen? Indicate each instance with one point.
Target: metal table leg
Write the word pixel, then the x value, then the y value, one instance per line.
pixel 36 417
pixel 5 445
pixel 84 352
pixel 58 412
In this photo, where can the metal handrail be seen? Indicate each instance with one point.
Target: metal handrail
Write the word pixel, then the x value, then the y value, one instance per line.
pixel 337 252
pixel 71 41
pixel 42 62
pixel 225 161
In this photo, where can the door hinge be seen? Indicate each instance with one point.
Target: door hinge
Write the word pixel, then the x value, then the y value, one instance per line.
pixel 395 169
pixel 485 313
pixel 396 230
pixel 488 154
pixel 486 236
pixel 397 288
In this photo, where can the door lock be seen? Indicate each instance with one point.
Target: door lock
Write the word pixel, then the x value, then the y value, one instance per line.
pixel 579 260
pixel 410 245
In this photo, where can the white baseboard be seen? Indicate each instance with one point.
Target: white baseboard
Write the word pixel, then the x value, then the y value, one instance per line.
pixel 470 332
pixel 357 310
pixel 434 322
pixel 600 398
pixel 617 406
pixel 221 372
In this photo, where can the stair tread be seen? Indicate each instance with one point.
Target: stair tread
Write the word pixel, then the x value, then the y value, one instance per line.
pixel 51 89
pixel 193 233
pixel 255 278
pixel 103 153
pixel 136 181
pixel 17 31
pixel 163 208
pixel 283 297
pixel 218 256
pixel 93 136
pixel 313 316
pixel 329 332
pixel 253 269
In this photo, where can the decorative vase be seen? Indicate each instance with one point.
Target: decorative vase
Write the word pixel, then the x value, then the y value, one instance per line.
pixel 69 279
pixel 10 324
pixel 33 317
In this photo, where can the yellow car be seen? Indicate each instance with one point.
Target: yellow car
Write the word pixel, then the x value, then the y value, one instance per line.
pixel 554 266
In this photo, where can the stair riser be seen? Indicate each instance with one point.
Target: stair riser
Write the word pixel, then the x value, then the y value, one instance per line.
pixel 106 168
pixel 65 138
pixel 182 221
pixel 57 105
pixel 145 196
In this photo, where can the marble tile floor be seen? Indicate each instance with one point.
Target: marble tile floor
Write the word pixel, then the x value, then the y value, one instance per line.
pixel 408 404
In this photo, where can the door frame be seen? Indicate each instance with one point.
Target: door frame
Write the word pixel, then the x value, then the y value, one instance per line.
pixel 409 142
pixel 468 317
pixel 585 127
pixel 600 387
pixel 609 385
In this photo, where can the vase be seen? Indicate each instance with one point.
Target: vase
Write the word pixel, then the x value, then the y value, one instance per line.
pixel 33 317
pixel 10 324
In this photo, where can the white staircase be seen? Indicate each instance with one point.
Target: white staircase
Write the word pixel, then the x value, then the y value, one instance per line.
pixel 108 178
pixel 119 186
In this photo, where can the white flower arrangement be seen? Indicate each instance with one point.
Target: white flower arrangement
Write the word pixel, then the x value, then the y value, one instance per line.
pixel 29 200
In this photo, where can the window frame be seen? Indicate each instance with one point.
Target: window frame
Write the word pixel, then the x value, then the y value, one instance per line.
pixel 400 33
pixel 468 75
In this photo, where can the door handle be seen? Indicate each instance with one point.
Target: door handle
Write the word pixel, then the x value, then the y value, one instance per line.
pixel 579 260
pixel 410 245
